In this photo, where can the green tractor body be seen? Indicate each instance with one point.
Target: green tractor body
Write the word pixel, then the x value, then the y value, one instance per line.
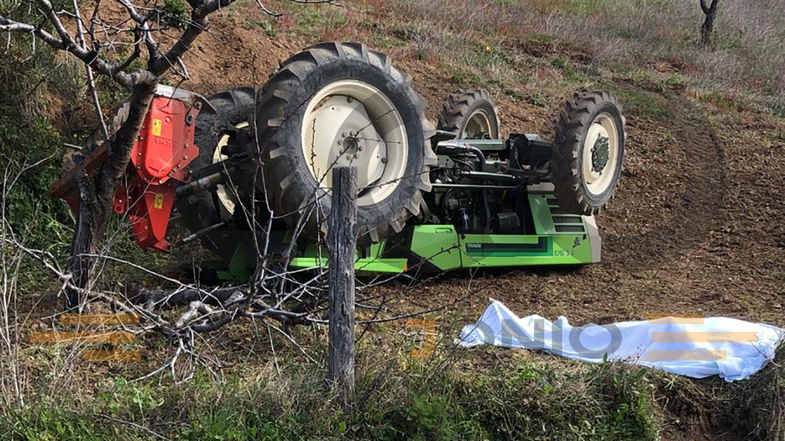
pixel 556 239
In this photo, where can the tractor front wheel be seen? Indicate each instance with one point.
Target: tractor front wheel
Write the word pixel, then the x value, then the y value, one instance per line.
pixel 588 152
pixel 470 114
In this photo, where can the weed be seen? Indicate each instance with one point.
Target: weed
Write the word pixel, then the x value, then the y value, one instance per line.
pixel 514 94
pixel 265 24
pixel 173 12
pixel 425 401
pixel 640 102
pixel 312 19
pixel 630 392
pixel 564 64
pixel 382 41
pixel 538 99
pixel 758 404
pixel 676 81
pixel 49 423
pixel 461 75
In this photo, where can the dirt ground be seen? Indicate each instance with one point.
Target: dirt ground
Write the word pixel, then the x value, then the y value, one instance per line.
pixel 695 228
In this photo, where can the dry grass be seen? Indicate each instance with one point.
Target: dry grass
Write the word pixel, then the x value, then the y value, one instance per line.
pixel 758 404
pixel 746 60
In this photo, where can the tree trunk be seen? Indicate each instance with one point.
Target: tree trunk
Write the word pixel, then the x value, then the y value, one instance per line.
pixel 96 193
pixel 708 23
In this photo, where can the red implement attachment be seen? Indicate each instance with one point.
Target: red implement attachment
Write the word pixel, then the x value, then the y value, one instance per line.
pixel 159 163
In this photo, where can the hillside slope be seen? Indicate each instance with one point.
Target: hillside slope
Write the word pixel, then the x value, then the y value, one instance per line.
pixel 696 225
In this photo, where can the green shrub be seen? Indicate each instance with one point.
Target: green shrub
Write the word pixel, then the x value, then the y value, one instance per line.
pixel 30 144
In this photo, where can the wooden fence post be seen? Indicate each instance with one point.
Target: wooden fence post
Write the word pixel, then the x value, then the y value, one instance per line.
pixel 342 244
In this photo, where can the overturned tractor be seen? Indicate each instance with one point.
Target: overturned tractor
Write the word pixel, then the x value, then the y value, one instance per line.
pixel 249 169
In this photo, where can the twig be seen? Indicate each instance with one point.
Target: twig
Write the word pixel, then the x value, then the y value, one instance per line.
pixel 129 423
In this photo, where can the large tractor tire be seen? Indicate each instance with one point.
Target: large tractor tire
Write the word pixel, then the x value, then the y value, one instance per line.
pixel 226 110
pixel 341 104
pixel 470 114
pixel 588 152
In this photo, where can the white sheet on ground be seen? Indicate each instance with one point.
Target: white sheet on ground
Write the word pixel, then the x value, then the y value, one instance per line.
pixel 698 348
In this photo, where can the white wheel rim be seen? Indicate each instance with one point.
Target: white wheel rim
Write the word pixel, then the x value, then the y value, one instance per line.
pixel 600 161
pixel 479 124
pixel 225 196
pixel 352 123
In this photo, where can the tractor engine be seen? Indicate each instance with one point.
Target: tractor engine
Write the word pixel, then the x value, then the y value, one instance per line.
pixel 480 184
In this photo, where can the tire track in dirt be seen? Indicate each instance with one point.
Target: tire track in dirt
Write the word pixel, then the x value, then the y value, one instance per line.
pixel 672 207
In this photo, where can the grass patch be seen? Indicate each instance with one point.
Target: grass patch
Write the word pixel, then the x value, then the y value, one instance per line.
pixel 745 58
pixel 266 25
pixel 461 76
pixel 530 399
pixel 641 102
pixel 311 20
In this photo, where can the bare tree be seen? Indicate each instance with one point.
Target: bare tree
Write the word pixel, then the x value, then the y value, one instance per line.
pixel 103 46
pixel 710 11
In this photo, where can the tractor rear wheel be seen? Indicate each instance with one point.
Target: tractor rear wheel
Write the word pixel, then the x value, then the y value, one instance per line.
pixel 470 114
pixel 341 104
pixel 229 110
pixel 588 152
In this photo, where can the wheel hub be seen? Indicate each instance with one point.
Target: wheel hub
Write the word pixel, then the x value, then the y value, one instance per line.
pixel 351 145
pixel 350 123
pixel 599 153
pixel 344 135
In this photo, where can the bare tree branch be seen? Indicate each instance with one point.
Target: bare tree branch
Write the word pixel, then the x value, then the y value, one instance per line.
pixel 90 79
pixel 276 295
pixel 704 7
